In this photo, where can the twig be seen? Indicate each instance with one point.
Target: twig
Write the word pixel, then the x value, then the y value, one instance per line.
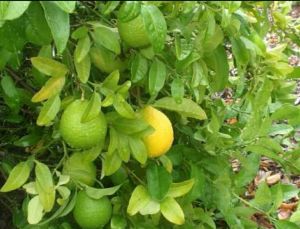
pixel 18 79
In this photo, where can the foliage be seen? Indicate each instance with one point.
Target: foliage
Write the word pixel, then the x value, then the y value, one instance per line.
pixel 53 53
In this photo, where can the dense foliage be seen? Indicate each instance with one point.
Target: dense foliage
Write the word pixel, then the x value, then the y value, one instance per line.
pixel 206 65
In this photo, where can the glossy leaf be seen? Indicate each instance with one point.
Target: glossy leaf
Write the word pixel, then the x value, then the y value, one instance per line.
pixel 12 10
pixel 44 186
pixel 219 64
pixel 187 108
pixel 49 66
pixel 177 90
pixel 158 181
pixel 138 149
pixel 138 200
pixel 156 26
pixel 93 108
pixel 112 162
pixel 35 211
pixel 108 38
pixel 180 189
pixel 97 193
pixel 17 177
pixel 37 29
pixel 52 87
pixel 139 68
pixel 110 6
pixel 122 107
pixel 157 76
pixel 172 211
pixel 58 21
pixel 82 48
pixel 67 6
pixel 83 69
pixel 49 111
pixel 129 10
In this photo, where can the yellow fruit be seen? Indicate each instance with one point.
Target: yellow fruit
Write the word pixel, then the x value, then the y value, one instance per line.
pixel 78 134
pixel 92 213
pixel 160 141
pixel 133 33
pixel 79 169
pixel 105 60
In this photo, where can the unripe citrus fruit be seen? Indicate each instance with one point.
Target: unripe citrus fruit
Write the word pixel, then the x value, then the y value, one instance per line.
pixel 79 169
pixel 92 213
pixel 105 60
pixel 134 33
pixel 80 134
pixel 160 141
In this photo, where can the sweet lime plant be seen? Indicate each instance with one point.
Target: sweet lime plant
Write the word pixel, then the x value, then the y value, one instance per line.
pixel 119 114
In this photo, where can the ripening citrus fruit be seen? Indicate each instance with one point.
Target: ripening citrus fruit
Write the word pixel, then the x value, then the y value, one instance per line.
pixel 133 33
pixel 92 213
pixel 160 141
pixel 80 134
pixel 79 169
pixel 105 60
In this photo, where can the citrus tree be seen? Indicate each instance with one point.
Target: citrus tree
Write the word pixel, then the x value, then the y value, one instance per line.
pixel 131 114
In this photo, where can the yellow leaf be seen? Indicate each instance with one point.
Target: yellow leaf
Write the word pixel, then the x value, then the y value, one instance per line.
pixel 52 87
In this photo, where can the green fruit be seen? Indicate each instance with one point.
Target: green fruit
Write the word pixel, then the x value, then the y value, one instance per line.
pixel 81 134
pixel 134 33
pixel 92 213
pixel 79 169
pixel 105 60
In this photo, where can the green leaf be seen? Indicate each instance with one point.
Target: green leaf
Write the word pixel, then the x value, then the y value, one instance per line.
pixel 139 68
pixel 151 208
pixel 83 69
pixel 35 210
pixel 157 76
pixel 180 189
pixel 82 48
pixel 80 32
pixel 172 211
pixel 156 26
pixel 124 148
pixel 261 150
pixel 44 186
pixel 158 181
pixel 239 51
pixel 49 67
pixel 51 88
pixel 177 90
pixel 49 111
pixel 17 177
pixel 67 6
pixel 129 10
pixel 130 126
pixel 37 29
pixel 217 61
pixel 138 149
pixel 263 197
pixel 59 24
pixel 118 222
pixel 122 107
pixel 284 224
pixel 11 94
pixel 93 108
pixel 138 200
pixel 183 48
pixel 97 193
pixel 113 141
pixel 187 108
pixel 108 38
pixel 112 162
pixel 111 81
pixel 110 7
pixel 295 74
pixel 12 10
